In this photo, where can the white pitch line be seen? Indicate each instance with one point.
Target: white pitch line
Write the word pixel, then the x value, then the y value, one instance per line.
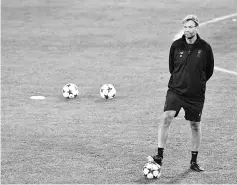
pixel 180 33
pixel 225 70
pixel 37 97
pixel 219 19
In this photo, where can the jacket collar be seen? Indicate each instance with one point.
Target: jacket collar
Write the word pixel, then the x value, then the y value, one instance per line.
pixel 196 42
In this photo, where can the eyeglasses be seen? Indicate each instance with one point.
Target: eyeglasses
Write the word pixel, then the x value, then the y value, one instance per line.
pixel 189 27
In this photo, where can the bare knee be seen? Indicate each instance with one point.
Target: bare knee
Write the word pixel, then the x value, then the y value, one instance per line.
pixel 168 117
pixel 195 126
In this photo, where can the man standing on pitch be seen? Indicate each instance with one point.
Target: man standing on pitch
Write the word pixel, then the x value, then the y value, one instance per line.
pixel 191 65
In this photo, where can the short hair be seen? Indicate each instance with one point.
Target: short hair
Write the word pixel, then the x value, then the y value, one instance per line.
pixel 191 17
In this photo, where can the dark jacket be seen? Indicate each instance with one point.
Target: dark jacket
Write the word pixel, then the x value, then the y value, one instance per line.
pixel 191 66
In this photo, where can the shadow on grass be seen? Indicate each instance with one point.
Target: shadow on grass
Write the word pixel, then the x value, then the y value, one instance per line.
pixel 179 177
pixel 101 100
pixel 143 180
pixel 165 179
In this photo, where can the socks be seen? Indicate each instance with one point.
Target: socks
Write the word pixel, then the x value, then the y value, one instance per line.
pixel 194 156
pixel 193 159
pixel 160 152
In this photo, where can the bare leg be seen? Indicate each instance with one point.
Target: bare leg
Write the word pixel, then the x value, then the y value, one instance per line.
pixel 195 145
pixel 163 135
pixel 196 135
pixel 164 128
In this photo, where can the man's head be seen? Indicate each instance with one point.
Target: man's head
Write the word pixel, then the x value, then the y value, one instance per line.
pixel 190 24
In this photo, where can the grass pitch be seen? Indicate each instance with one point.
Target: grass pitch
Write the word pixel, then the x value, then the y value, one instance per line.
pixel 46 44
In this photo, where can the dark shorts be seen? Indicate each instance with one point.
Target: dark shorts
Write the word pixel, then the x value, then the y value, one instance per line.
pixel 193 109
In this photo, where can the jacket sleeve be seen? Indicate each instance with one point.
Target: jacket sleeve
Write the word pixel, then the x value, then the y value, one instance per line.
pixel 210 64
pixel 171 59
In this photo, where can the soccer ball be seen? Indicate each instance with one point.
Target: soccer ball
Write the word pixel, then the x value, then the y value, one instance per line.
pixel 70 91
pixel 151 170
pixel 107 91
